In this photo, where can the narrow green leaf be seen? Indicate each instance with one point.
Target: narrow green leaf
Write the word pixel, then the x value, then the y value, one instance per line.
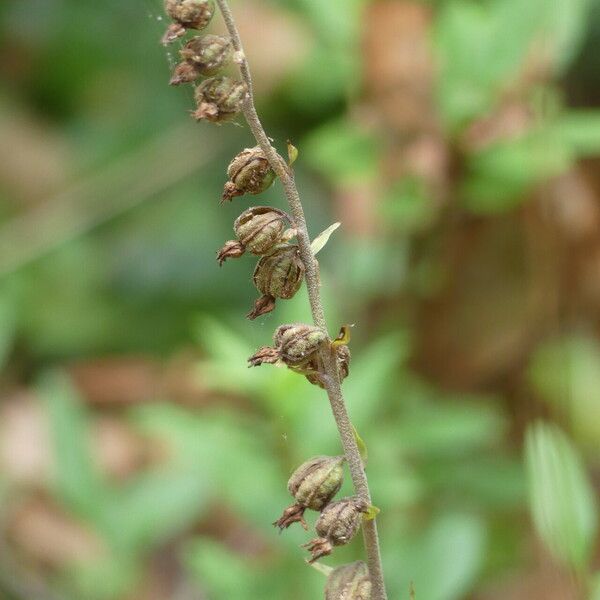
pixel 362 446
pixel 321 240
pixel 78 482
pixel 580 131
pixel 317 566
pixel 292 153
pixel 371 513
pixel 8 327
pixel 595 586
pixel 562 501
pixel 343 338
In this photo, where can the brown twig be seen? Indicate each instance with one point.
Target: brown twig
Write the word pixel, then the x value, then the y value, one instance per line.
pixel 332 381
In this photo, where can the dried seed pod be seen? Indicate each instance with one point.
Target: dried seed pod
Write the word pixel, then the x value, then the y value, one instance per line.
pixel 343 361
pixel 187 14
pixel 295 344
pixel 259 229
pixel 298 343
pixel 337 525
pixel 219 99
pixel 313 484
pixel 349 582
pixel 277 275
pixel 202 56
pixel 249 173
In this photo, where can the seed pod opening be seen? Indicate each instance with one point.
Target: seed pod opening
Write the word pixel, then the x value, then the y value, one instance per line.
pixel 231 249
pixel 187 14
pixel 349 582
pixel 277 275
pixel 338 524
pixel 219 99
pixel 249 173
pixel 313 485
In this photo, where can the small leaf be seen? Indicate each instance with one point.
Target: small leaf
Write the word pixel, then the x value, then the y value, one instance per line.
pixel 413 594
pixel 321 240
pixel 561 497
pixel 362 447
pixel 292 153
pixel 371 513
pixel 343 338
pixel 317 566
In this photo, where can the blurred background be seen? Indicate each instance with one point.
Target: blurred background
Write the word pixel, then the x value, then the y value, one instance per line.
pixel 458 142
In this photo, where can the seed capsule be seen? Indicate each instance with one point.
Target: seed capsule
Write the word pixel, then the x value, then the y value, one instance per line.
pixel 349 582
pixel 249 173
pixel 202 56
pixel 296 345
pixel 338 524
pixel 219 99
pixel 259 229
pixel 187 14
pixel 277 275
pixel 313 484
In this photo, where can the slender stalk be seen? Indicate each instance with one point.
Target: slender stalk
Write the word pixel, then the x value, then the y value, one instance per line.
pixel 331 379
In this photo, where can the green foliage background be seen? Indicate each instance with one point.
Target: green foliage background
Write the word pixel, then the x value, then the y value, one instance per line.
pixel 109 222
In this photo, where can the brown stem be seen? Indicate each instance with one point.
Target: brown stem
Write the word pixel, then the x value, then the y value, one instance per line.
pixel 332 381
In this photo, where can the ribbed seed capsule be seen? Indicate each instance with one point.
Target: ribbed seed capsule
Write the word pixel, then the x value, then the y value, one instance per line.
pixel 187 14
pixel 219 99
pixel 277 275
pixel 313 484
pixel 295 344
pixel 298 343
pixel 259 230
pixel 202 56
pixel 338 524
pixel 349 582
pixel 249 173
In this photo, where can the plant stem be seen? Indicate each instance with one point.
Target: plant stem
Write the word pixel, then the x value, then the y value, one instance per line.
pixel 331 380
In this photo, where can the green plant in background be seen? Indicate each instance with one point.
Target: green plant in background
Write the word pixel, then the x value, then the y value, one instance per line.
pixel 446 464
pixel 279 273
pixel 562 501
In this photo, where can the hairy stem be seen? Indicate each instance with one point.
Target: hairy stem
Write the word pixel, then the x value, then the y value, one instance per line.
pixel 331 379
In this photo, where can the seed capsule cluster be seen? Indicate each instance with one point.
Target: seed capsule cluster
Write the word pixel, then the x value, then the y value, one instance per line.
pixel 267 233
pixel 218 98
pixel 313 486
